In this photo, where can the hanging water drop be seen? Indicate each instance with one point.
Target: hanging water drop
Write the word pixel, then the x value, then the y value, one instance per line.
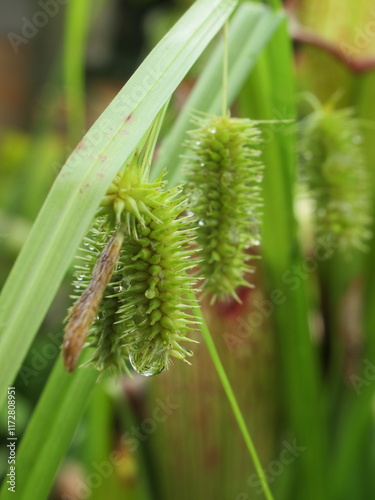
pixel 154 368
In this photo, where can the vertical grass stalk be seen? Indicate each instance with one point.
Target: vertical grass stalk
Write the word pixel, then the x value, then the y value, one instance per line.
pixel 232 401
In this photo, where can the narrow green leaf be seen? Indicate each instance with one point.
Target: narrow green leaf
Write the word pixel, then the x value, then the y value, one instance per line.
pixel 50 431
pixel 232 400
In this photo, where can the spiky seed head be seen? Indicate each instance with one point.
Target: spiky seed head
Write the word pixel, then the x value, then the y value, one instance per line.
pixel 224 175
pixel 333 168
pixel 143 315
pixel 156 288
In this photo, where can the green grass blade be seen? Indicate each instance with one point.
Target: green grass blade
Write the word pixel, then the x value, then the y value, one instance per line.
pixel 249 31
pixel 50 431
pixel 81 184
pixel 233 403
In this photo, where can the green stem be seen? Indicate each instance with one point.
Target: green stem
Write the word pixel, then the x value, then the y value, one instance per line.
pixel 233 402
pixel 225 70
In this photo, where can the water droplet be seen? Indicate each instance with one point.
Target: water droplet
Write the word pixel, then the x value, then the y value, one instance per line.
pixel 201 223
pixel 91 248
pixel 77 287
pixel 80 277
pixel 198 143
pixel 149 369
pixel 212 130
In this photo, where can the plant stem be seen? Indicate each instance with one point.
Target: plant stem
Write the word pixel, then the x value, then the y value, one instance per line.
pixel 232 401
pixel 225 70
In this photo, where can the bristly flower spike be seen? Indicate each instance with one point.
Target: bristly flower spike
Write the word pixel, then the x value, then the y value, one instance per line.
pixel 223 180
pixel 334 170
pixel 136 288
pixel 156 287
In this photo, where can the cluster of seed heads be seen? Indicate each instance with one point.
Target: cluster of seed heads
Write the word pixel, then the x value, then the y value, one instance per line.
pixel 135 282
pixel 134 285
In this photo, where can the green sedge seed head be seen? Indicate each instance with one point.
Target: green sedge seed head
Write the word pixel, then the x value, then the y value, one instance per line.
pixel 142 317
pixel 333 168
pixel 223 176
pixel 155 300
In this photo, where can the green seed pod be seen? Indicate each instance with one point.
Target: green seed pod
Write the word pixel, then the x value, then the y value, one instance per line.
pixel 156 287
pixel 334 170
pixel 224 175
